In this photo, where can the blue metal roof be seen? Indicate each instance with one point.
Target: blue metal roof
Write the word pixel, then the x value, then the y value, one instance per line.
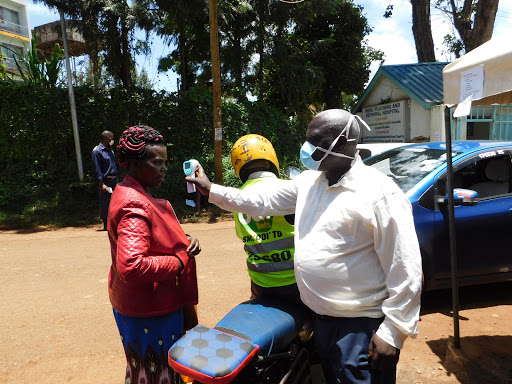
pixel 422 82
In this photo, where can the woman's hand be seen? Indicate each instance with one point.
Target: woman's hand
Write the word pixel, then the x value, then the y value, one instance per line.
pixel 194 248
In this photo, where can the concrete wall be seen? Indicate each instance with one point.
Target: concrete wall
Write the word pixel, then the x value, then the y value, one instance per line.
pixel 384 91
pixel 437 130
pixel 420 122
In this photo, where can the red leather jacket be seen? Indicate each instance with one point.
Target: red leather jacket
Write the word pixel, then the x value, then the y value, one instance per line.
pixel 146 241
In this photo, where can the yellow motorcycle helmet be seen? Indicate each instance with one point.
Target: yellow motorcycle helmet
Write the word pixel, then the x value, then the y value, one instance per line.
pixel 247 155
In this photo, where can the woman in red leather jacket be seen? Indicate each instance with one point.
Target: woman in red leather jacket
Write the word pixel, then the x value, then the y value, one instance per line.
pixel 152 279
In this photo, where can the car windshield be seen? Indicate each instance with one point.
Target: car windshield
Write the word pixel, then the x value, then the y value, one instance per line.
pixel 407 166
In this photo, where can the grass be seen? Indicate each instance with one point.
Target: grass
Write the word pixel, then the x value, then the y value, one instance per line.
pixel 53 214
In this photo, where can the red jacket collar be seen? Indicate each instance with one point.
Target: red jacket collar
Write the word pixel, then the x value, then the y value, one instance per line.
pixel 132 182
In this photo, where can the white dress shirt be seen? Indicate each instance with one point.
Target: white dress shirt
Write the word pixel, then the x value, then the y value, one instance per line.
pixel 356 249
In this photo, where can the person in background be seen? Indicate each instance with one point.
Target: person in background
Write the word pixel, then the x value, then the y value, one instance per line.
pixel 357 257
pixel 268 239
pixel 106 172
pixel 152 281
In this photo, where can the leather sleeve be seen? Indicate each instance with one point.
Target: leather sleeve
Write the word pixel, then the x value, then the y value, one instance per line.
pixel 134 262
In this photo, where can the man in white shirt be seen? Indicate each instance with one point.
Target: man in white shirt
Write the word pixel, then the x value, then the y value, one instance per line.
pixel 357 258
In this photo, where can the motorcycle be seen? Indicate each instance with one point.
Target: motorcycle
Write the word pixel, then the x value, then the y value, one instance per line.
pixel 260 341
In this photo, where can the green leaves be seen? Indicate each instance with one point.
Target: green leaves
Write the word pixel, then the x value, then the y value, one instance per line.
pixel 37 154
pixel 34 68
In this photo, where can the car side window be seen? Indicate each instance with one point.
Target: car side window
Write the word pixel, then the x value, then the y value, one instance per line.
pixel 490 176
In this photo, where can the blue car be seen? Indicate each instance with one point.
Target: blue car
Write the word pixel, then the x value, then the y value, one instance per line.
pixel 482 174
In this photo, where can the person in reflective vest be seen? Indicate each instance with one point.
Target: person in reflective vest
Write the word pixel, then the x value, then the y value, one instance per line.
pixel 268 240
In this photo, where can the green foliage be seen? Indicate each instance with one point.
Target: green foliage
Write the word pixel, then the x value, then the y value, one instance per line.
pixel 39 182
pixel 453 45
pixel 3 68
pixel 292 57
pixel 34 68
pixel 289 56
pixel 321 58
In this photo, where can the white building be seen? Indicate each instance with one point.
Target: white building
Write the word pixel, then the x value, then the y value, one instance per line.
pixel 15 34
pixel 404 103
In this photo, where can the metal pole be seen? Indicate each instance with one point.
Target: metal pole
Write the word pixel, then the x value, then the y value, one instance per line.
pixel 452 231
pixel 72 99
pixel 217 121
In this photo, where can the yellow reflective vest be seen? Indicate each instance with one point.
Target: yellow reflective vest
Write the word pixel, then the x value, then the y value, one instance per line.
pixel 269 246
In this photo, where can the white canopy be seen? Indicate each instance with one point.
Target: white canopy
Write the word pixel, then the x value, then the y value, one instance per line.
pixel 496 58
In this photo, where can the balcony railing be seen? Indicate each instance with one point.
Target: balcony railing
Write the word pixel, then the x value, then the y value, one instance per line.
pixel 13 28
pixel 9 63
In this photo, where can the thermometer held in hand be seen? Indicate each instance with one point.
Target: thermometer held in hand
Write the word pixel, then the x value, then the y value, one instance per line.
pixel 190 168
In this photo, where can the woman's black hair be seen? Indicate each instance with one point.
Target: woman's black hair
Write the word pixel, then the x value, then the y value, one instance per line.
pixel 133 142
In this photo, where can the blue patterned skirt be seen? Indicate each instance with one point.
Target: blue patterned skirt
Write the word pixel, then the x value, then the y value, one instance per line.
pixel 146 342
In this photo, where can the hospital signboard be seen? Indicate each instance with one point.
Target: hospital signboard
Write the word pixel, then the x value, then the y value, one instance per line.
pixel 387 122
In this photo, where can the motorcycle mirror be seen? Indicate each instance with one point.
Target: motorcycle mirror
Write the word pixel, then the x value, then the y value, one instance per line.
pixel 292 172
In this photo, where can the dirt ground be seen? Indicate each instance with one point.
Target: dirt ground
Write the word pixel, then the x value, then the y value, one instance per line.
pixel 58 327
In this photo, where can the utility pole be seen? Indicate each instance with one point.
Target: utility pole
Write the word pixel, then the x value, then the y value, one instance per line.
pixel 217 120
pixel 72 104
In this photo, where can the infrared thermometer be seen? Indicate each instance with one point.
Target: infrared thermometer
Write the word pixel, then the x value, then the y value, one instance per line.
pixel 190 168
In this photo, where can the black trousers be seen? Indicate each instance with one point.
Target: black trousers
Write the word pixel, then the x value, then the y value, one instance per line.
pixel 104 197
pixel 342 345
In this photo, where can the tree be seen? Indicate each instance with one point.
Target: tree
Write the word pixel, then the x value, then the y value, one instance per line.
pixel 236 32
pixel 422 31
pixel 183 24
pixel 473 20
pixel 108 28
pixel 320 57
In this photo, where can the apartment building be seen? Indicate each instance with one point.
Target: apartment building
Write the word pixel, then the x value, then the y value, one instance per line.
pixel 15 31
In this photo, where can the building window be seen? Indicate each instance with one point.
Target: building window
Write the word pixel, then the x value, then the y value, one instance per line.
pixel 9 16
pixel 9 21
pixel 9 53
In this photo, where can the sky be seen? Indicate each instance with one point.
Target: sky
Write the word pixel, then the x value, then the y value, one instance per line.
pixel 393 36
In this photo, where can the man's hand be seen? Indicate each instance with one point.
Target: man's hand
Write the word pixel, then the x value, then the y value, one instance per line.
pixel 201 181
pixel 194 248
pixel 103 187
pixel 382 354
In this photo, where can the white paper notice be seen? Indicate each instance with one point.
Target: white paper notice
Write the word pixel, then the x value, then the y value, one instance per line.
pixel 218 134
pixel 464 108
pixel 472 84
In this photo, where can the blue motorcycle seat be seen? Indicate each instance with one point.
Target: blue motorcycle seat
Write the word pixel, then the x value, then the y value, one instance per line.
pixel 269 323
pixel 210 356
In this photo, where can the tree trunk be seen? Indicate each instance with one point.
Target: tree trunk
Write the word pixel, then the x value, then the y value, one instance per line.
pixel 422 31
pixel 95 68
pixel 261 48
pixel 475 35
pixel 237 62
pixel 183 56
pixel 125 69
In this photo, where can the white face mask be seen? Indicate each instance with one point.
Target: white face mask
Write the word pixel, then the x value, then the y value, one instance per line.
pixel 111 142
pixel 308 149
